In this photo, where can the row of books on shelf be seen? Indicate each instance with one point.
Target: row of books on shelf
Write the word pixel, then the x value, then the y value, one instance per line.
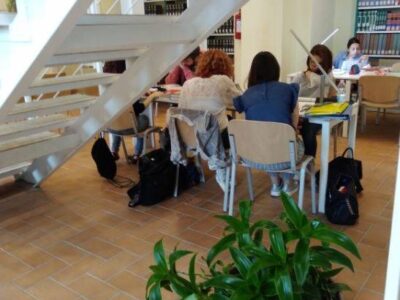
pixel 225 44
pixel 366 3
pixel 376 20
pixel 380 43
pixel 227 27
pixel 166 9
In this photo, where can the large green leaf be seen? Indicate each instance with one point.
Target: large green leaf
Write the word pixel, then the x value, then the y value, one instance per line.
pixel 219 297
pixel 262 224
pixel 261 263
pixel 277 243
pixel 224 281
pixel 192 273
pixel 330 273
pixel 301 261
pixel 155 293
pixel 159 254
pixel 176 255
pixel 328 235
pixel 334 256
pixel 192 297
pixel 245 211
pixel 293 212
pixel 181 286
pixel 235 224
pixel 318 260
pixel 221 246
pixel 242 262
pixel 283 284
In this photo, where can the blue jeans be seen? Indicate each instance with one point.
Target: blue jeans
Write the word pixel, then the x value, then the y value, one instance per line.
pixel 143 124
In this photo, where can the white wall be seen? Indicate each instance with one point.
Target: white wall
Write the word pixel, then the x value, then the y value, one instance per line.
pixel 266 25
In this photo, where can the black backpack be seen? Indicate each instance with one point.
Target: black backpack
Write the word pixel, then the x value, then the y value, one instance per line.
pixel 157 178
pixel 104 160
pixel 341 205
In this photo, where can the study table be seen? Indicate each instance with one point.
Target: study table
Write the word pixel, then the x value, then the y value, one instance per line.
pixel 327 124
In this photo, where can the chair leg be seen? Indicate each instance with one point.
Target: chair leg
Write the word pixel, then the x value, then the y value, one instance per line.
pixel 363 118
pixel 232 188
pixel 227 188
pixel 176 181
pixel 301 189
pixel 197 162
pixel 313 188
pixel 125 151
pixel 250 183
pixel 378 116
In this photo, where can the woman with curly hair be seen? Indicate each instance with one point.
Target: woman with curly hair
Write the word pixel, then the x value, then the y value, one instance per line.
pixel 212 90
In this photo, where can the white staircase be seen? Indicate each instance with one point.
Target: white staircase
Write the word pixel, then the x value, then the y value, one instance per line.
pixel 37 137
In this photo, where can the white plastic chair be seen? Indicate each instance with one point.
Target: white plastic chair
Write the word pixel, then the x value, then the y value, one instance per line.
pixel 127 120
pixel 267 143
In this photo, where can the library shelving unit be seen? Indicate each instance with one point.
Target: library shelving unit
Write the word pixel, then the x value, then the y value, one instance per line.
pixel 378 27
pixel 223 38
pixel 164 7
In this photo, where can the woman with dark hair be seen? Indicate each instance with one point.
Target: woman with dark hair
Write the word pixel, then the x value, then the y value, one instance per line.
pixel 212 89
pixel 267 99
pixel 310 83
pixel 185 70
pixel 352 56
pixel 310 79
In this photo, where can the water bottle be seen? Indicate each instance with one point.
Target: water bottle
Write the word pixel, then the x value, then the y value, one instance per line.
pixel 341 93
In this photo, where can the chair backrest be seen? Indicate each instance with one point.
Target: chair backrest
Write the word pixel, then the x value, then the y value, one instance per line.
pixel 127 120
pixel 380 89
pixel 262 142
pixel 396 67
pixel 187 133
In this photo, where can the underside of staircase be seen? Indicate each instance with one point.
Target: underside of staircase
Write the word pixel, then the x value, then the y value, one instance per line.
pixel 38 136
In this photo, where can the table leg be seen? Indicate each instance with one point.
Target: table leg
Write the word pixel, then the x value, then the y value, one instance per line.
pixel 353 131
pixel 323 173
pixel 348 96
pixel 149 112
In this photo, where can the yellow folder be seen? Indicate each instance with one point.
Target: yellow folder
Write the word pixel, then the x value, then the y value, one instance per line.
pixel 328 109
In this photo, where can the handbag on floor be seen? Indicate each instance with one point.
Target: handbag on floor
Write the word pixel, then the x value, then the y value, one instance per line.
pixel 341 201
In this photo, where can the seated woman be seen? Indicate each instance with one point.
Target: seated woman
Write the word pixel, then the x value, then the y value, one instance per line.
pixel 185 70
pixel 352 56
pixel 267 99
pixel 212 90
pixel 310 82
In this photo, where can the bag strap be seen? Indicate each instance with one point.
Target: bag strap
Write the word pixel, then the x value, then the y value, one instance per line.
pixel 348 149
pixel 121 182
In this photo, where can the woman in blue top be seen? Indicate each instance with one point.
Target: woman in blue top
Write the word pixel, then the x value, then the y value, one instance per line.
pixel 345 59
pixel 267 99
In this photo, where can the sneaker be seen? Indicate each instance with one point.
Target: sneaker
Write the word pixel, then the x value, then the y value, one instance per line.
pixel 220 178
pixel 290 189
pixel 276 189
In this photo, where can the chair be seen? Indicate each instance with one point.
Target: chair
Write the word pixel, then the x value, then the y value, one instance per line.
pixel 396 67
pixel 267 143
pixel 187 136
pixel 380 92
pixel 127 120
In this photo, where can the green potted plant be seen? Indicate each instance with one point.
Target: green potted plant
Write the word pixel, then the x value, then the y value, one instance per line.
pixel 259 266
pixel 11 6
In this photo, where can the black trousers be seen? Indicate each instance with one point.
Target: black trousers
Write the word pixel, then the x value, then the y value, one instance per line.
pixel 309 133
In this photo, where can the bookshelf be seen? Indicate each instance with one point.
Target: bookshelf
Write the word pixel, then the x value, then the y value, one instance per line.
pixel 223 38
pixel 378 27
pixel 164 7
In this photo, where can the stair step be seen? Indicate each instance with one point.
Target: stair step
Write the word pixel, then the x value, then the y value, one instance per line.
pixel 6 18
pixel 70 82
pixel 94 56
pixel 97 33
pixel 14 169
pixel 26 140
pixel 14 130
pixel 28 148
pixel 49 106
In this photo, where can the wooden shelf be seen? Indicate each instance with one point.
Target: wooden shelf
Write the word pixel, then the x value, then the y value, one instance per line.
pixel 379 7
pixel 378 31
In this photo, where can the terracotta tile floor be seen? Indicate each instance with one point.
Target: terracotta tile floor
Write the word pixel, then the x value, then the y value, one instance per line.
pixel 76 238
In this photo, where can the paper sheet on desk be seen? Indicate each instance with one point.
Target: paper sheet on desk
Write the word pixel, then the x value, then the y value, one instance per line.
pixel 331 110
